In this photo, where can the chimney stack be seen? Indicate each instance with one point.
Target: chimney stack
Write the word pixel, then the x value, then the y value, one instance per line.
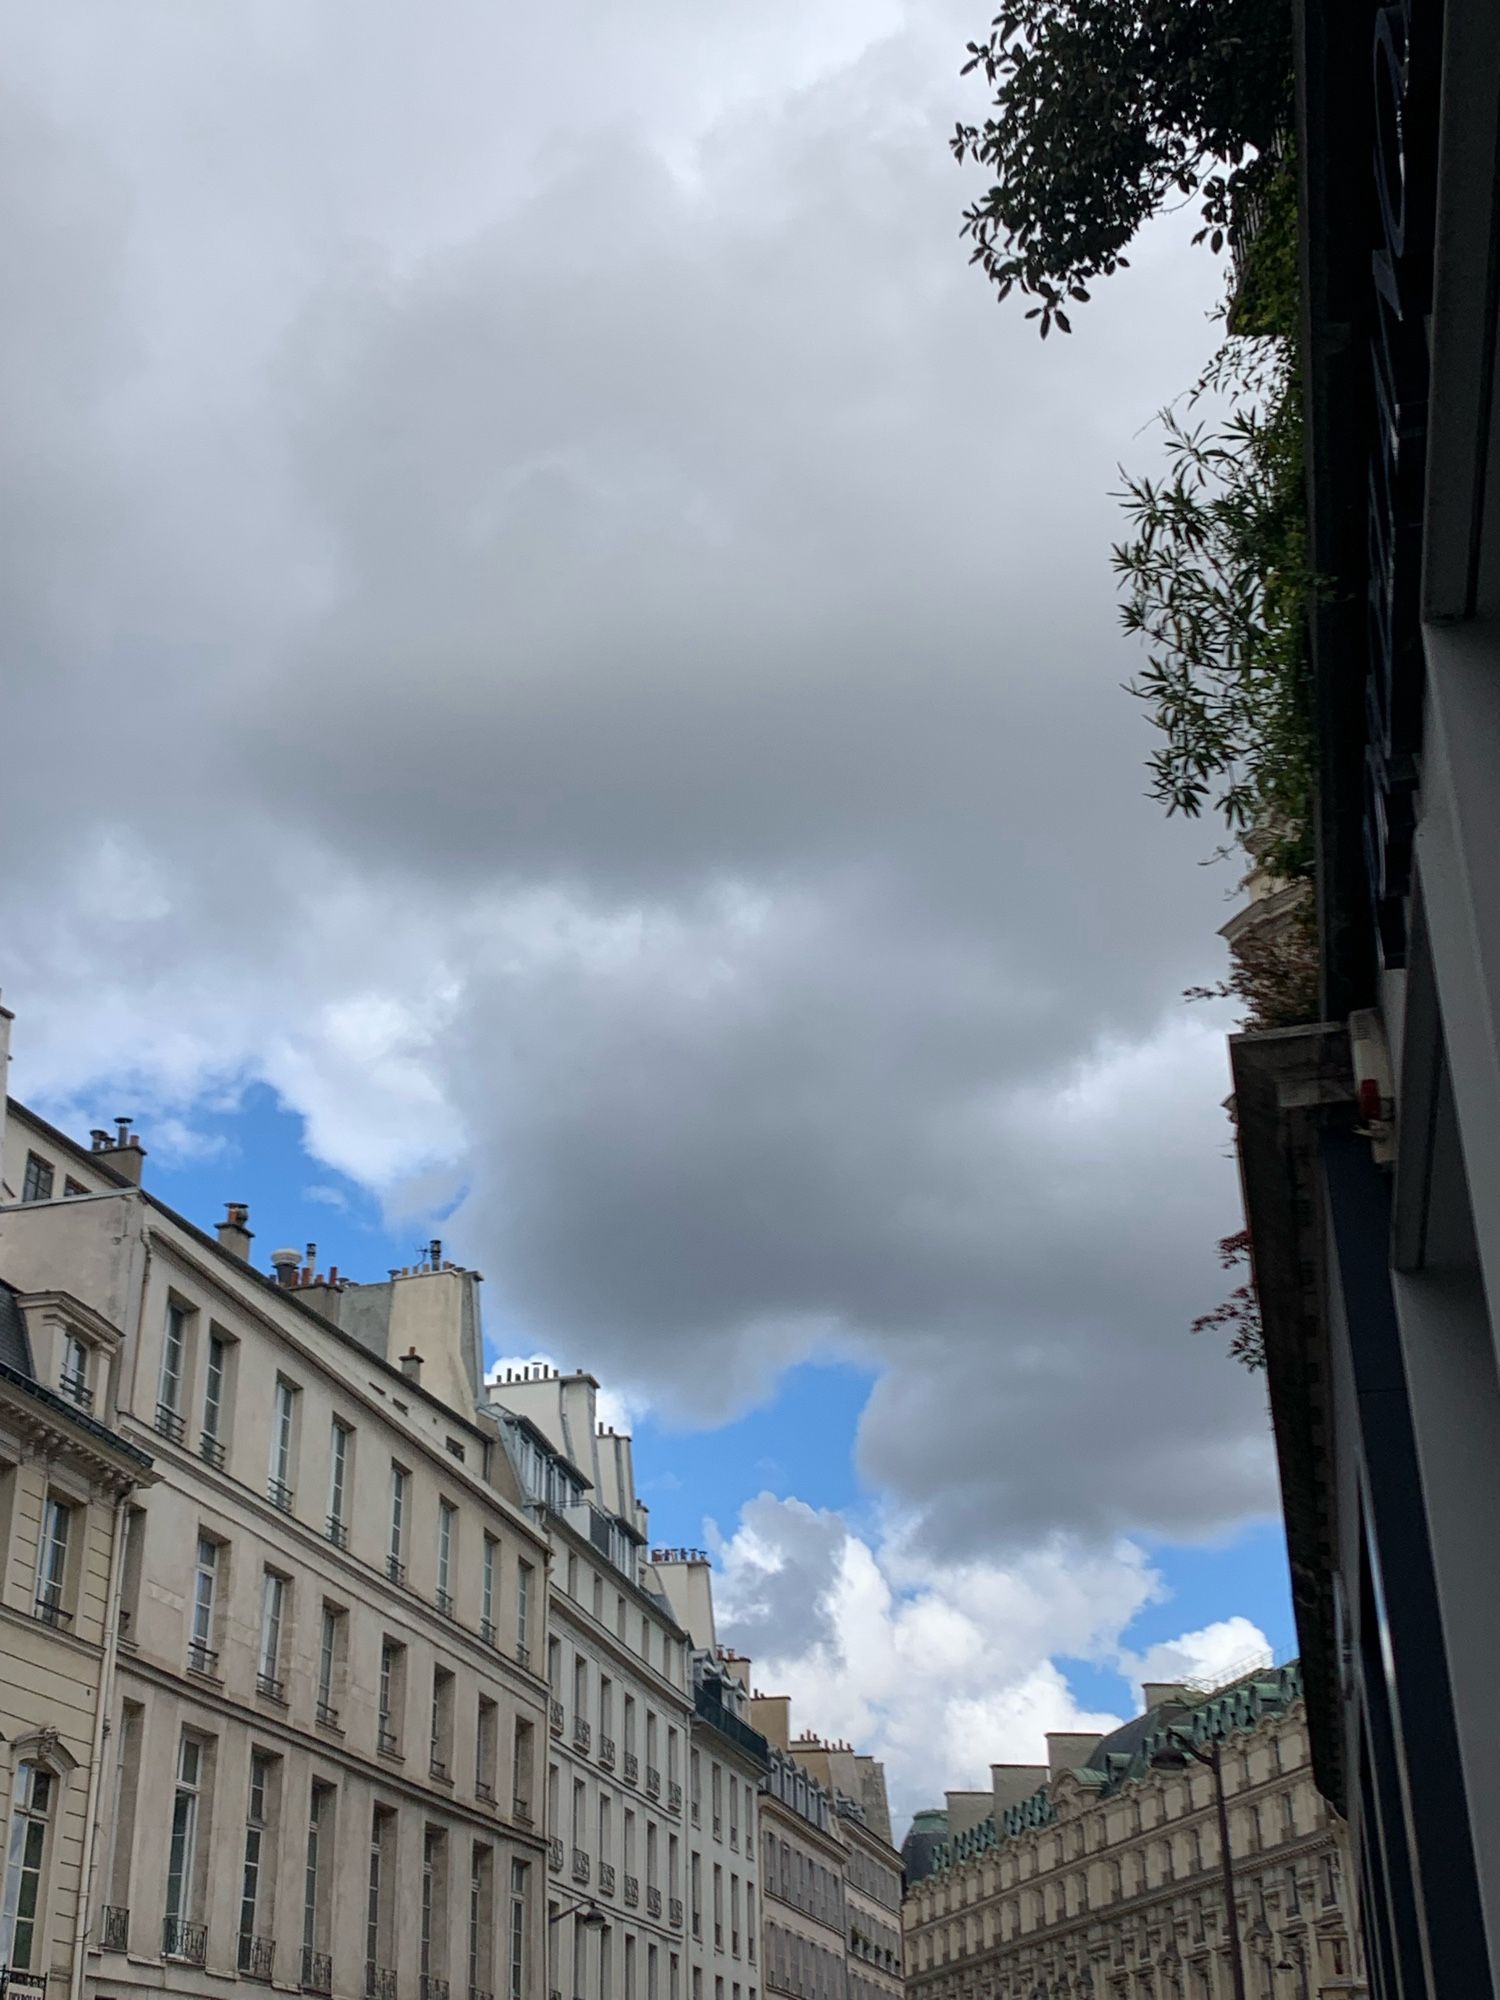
pixel 411 1365
pixel 124 1152
pixel 234 1232
pixel 286 1264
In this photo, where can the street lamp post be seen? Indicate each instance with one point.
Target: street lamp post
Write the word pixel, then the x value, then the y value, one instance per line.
pixel 1173 1756
pixel 588 1913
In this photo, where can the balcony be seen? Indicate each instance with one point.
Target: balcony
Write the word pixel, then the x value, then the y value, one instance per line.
pixel 674 1799
pixel 203 1660
pixel 76 1390
pixel 674 1912
pixel 606 1878
pixel 443 1599
pixel 328 1715
pixel 188 1943
pixel 653 1782
pixel 50 1610
pixel 433 1988
pixel 555 1853
pixel 607 1752
pixel 395 1570
pixel 114 1927
pixel 583 1735
pixel 271 1688
pixel 696 1809
pixel 555 1716
pixel 523 1654
pixel 336 1531
pixel 632 1768
pixel 211 1451
pixel 483 1789
pixel 632 1890
pixel 257 1957
pixel 122 1631
pixel 480 1993
pixel 380 1981
pixel 488 1633
pixel 580 1865
pixel 653 1901
pixel 520 1810
pixel 437 1770
pixel 386 1742
pixel 317 1971
pixel 169 1423
pixel 697 1923
pixel 280 1495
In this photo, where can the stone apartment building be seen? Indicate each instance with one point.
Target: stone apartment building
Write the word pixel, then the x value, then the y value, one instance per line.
pixel 620 1701
pixel 282 1667
pixel 1099 1874
pixel 727 1761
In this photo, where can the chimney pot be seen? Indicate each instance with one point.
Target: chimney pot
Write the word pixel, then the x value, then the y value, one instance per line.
pixel 284 1263
pixel 411 1365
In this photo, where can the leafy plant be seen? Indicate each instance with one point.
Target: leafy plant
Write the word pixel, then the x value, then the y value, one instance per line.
pixel 1240 1312
pixel 1216 581
pixel 1102 112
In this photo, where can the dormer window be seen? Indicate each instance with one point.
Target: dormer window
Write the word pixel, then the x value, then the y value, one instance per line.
pixel 76 1370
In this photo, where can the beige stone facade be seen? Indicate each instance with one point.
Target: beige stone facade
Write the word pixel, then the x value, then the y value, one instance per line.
pixel 325 1710
pixel 620 1701
pixel 1099 1875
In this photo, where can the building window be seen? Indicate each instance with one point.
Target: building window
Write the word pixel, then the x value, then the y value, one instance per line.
pixel 378 1904
pixel 215 1399
pixel 173 1368
pixel 433 1936
pixel 339 1441
pixel 521 1773
pixel 315 1881
pixel 283 1422
pixel 23 1913
pixel 519 1872
pixel 330 1662
pixel 52 1563
pixel 396 1553
pixel 523 1609
pixel 72 1189
pixel 182 1848
pixel 37 1185
pixel 442 1723
pixel 260 1865
pixel 487 1590
pixel 447 1534
pixel 74 1379
pixel 202 1656
pixel 272 1609
pixel 392 1695
pixel 481 1919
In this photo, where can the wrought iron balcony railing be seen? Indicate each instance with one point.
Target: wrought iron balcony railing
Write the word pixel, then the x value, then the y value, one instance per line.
pixel 632 1890
pixel 76 1390
pixel 606 1878
pixel 280 1495
pixel 271 1687
pixel 51 1609
pixel 169 1423
pixel 580 1865
pixel 632 1768
pixel 521 1810
pixel 555 1853
pixel 583 1735
pixel 432 1987
pixel 387 1743
pixel 523 1654
pixel 395 1569
pixel 337 1531
pixel 674 1912
pixel 555 1716
pixel 653 1902
pixel 653 1782
pixel 211 1451
pixel 483 1789
pixel 257 1956
pixel 607 1752
pixel 443 1599
pixel 203 1660
pixel 488 1633
pixel 114 1927
pixel 317 1971
pixel 184 1941
pixel 380 1981
pixel 328 1715
pixel 674 1801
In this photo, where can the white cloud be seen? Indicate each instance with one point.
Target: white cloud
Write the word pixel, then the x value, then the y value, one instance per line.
pixel 939 1668
pixel 1211 1655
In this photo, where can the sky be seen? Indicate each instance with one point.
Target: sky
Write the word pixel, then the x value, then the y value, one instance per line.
pixel 560 687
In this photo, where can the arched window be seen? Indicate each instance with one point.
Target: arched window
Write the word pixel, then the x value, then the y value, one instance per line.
pixel 24 1908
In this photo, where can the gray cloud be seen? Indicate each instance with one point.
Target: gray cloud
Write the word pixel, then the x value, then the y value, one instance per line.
pixel 579 646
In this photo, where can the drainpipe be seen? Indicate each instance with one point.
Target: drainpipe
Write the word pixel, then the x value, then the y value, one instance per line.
pixel 109 1655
